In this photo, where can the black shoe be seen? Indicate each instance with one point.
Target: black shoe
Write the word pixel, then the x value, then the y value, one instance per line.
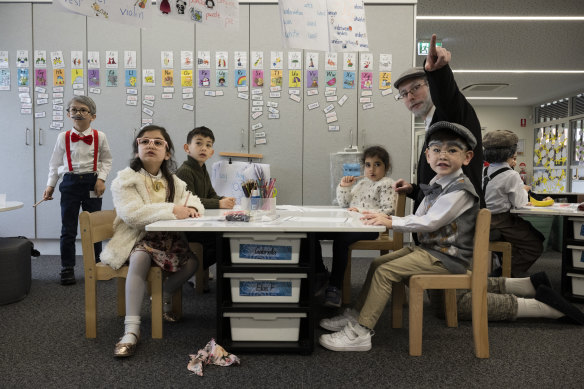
pixel 548 296
pixel 540 278
pixel 497 272
pixel 67 276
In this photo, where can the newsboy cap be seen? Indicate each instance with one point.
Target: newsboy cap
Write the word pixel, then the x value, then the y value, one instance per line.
pixel 455 128
pixel 499 139
pixel 408 75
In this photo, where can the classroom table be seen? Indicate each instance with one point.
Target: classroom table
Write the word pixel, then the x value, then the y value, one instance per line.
pixel 567 211
pixel 11 205
pixel 288 219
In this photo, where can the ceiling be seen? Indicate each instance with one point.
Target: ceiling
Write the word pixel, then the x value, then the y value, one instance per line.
pixel 510 45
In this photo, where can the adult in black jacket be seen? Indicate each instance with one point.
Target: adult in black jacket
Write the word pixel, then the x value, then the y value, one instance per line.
pixel 431 93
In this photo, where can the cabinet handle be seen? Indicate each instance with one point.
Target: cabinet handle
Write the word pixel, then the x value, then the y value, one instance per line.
pixel 362 138
pixel 40 136
pixel 26 134
pixel 243 139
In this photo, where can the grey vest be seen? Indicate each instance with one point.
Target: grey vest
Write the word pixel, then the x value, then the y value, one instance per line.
pixel 453 244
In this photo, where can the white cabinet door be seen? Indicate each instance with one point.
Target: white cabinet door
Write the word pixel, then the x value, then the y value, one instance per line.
pixel 168 35
pixel 283 149
pixel 53 31
pixel 227 116
pixel 17 145
pixel 115 117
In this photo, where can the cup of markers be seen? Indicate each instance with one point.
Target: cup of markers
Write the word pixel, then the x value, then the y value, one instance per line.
pixel 259 198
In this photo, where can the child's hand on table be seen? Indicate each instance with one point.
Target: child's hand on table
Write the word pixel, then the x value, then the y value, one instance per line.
pixel 376 219
pixel 182 212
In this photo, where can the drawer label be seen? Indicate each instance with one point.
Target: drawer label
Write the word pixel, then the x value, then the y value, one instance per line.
pixel 263 251
pixel 582 230
pixel 582 257
pixel 265 288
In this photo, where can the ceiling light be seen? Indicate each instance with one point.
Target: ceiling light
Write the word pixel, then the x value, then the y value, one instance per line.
pixel 503 18
pixel 490 98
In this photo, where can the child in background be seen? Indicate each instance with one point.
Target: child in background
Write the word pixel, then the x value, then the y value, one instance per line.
pixel 83 159
pixel 504 190
pixel 143 193
pixel 374 193
pixel 193 172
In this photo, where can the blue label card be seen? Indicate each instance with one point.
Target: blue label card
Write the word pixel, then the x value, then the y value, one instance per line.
pixel 582 230
pixel 582 256
pixel 265 288
pixel 261 251
pixel 351 169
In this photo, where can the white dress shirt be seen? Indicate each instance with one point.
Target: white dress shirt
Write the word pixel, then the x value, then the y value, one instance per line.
pixel 81 157
pixel 505 191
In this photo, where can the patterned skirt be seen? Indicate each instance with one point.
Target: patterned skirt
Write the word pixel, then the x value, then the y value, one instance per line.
pixel 169 250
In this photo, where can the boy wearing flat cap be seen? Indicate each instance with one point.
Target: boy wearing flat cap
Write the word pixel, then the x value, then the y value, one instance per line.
pixel 504 190
pixel 445 223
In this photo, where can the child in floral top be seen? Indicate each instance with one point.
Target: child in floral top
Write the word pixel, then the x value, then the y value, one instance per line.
pixel 373 193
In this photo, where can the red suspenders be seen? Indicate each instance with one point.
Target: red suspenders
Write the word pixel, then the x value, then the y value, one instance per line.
pixel 68 149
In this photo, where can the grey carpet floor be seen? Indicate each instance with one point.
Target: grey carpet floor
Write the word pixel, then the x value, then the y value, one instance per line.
pixel 43 345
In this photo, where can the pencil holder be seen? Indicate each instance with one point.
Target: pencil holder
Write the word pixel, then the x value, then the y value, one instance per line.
pixel 259 207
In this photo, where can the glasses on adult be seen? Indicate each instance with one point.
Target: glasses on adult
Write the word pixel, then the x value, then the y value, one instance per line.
pixel 413 90
pixel 75 111
pixel 158 143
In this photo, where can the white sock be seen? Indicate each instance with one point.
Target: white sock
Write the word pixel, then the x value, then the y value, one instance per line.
pixel 521 287
pixel 351 312
pixel 361 330
pixel 132 325
pixel 535 308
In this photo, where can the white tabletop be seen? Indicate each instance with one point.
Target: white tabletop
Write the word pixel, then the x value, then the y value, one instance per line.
pixel 288 219
pixel 10 205
pixel 561 209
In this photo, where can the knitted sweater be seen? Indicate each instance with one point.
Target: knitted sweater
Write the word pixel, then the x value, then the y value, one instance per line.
pixel 198 182
pixel 135 210
pixel 375 196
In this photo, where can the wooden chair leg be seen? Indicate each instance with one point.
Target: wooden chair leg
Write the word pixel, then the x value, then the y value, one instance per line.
pixel 450 307
pixel 397 304
pixel 480 323
pixel 347 281
pixel 156 287
pixel 121 296
pixel 416 306
pixel 202 275
pixel 506 271
pixel 90 307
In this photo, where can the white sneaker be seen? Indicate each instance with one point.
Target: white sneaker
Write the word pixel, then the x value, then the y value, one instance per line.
pixel 338 322
pixel 346 340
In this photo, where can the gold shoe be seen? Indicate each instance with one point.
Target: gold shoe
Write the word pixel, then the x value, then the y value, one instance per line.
pixel 126 349
pixel 170 317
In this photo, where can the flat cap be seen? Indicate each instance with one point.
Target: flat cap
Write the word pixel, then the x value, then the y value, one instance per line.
pixel 409 74
pixel 500 139
pixel 455 128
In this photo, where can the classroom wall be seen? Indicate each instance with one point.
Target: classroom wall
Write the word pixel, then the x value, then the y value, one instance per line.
pixel 509 118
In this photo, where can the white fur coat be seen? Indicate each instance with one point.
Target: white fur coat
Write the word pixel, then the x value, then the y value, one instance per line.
pixel 135 211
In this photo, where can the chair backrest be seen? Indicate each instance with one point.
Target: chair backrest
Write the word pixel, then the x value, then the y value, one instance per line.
pixel 480 257
pixel 95 227
pixel 400 210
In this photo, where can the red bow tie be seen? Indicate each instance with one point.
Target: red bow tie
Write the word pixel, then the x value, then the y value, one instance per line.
pixel 87 139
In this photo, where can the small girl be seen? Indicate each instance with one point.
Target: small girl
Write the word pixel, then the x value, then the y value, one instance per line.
pixel 374 193
pixel 143 193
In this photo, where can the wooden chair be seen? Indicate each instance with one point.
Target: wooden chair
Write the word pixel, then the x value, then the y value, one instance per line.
pixel 504 248
pixel 97 227
pixel 476 282
pixel 384 244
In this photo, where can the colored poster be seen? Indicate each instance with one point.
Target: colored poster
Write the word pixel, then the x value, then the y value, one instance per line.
pixel 349 60
pixel 112 77
pixel 311 60
pixel 240 59
pixel 76 59
pixel 148 78
pixel 111 59
pixel 276 78
pixel 4 79
pixel 204 59
pixel 312 78
pixel 348 80
pixel 366 80
pixel 93 60
pixel 204 78
pixel 76 76
pixel 385 61
pixel 23 77
pixel 167 77
pixel 40 59
pixel 186 59
pixel 93 77
pixel 58 77
pixel 294 79
pixel 384 80
pixel 276 60
pixel 4 60
pixel 131 78
pixel 57 59
pixel 330 61
pixel 240 77
pixel 130 59
pixel 221 59
pixel 40 77
pixel 366 61
pixel 219 14
pixel 166 60
pixel 331 78
pixel 186 78
pixel 257 59
pixel 221 77
pixel 258 78
pixel 22 58
pixel 294 60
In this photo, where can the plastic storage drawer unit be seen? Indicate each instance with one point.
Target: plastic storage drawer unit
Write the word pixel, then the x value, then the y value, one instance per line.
pixel 265 248
pixel 265 287
pixel 252 326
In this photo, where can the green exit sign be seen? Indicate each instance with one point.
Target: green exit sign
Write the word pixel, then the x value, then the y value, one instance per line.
pixel 424 47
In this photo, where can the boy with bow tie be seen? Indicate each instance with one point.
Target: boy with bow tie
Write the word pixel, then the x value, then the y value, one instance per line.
pixel 83 159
